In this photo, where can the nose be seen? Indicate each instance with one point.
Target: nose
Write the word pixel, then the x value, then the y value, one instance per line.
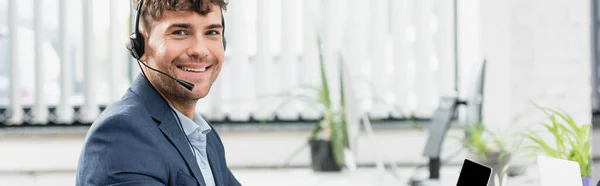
pixel 198 49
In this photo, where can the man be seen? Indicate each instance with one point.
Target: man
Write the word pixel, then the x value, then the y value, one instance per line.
pixel 152 136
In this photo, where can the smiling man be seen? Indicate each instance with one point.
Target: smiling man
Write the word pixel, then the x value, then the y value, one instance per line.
pixel 152 136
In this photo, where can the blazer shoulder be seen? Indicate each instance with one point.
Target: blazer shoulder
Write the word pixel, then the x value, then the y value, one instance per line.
pixel 121 141
pixel 126 111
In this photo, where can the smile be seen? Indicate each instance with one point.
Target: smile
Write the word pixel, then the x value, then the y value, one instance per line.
pixel 190 69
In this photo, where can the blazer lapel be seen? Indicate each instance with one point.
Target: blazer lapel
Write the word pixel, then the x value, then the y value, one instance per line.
pixel 162 114
pixel 213 159
pixel 176 136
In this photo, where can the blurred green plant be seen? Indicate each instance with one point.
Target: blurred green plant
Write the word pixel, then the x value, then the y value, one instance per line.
pixel 480 142
pixel 571 141
pixel 332 127
pixel 491 149
pixel 333 124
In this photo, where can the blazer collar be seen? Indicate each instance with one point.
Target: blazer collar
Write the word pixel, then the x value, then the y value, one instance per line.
pixel 161 113
pixel 149 96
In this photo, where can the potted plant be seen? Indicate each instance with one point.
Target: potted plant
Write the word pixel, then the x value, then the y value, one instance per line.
pixel 328 140
pixel 570 141
pixel 489 149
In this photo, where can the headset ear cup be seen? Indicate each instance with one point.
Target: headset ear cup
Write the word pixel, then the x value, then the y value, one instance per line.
pixel 139 45
pixel 129 46
pixel 136 45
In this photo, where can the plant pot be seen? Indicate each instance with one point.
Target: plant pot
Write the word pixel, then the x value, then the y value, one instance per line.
pixel 493 160
pixel 321 155
pixel 586 181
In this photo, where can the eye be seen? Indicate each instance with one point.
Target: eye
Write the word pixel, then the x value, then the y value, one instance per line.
pixel 179 33
pixel 213 32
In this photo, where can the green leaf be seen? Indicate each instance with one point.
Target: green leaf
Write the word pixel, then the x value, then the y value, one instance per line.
pixel 546 149
pixel 324 84
pixel 573 141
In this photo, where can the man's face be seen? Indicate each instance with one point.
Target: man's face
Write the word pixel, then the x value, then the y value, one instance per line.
pixel 188 46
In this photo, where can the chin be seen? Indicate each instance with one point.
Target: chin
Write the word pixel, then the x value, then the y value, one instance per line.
pixel 200 93
pixel 201 89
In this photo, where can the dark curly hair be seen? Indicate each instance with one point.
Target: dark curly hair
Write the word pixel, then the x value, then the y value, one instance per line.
pixel 152 10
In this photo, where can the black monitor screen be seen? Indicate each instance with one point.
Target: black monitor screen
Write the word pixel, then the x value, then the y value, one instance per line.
pixel 473 174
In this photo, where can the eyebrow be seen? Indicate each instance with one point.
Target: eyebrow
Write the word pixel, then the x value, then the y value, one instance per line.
pixel 179 25
pixel 187 26
pixel 214 26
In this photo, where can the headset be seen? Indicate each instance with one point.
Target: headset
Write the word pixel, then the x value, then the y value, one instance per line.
pixel 135 45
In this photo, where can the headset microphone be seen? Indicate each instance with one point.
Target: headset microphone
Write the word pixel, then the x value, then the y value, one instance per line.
pixel 183 83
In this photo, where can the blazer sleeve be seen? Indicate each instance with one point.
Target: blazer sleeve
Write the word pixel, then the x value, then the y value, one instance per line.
pixel 118 153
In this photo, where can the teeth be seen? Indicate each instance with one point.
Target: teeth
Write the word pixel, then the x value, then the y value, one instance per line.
pixel 189 69
pixel 192 69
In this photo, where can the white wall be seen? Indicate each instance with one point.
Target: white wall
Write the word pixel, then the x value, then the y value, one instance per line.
pixel 538 51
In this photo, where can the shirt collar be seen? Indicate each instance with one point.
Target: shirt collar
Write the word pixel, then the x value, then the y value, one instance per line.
pixel 190 126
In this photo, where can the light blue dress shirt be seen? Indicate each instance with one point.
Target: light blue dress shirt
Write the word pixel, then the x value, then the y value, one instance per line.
pixel 196 131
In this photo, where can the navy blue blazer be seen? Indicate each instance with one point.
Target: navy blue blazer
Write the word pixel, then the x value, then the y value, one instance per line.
pixel 137 141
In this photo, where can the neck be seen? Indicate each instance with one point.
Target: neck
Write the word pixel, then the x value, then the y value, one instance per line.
pixel 185 106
